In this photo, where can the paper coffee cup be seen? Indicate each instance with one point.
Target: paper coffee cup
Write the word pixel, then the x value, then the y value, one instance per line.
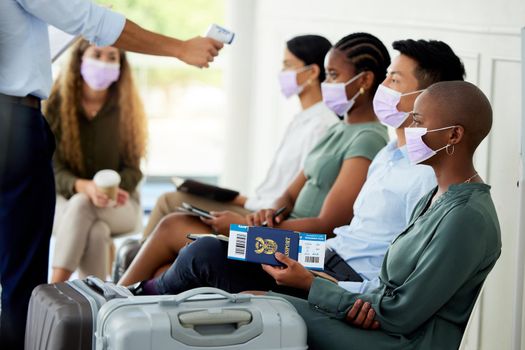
pixel 107 182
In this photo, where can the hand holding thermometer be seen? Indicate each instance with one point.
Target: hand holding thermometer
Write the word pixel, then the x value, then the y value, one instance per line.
pixel 275 214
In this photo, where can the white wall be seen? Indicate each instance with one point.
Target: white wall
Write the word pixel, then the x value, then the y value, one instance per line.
pixel 487 37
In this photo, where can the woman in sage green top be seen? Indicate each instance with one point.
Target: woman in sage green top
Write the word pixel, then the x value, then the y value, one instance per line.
pixel 342 141
pixel 99 123
pixel 322 195
pixel 434 270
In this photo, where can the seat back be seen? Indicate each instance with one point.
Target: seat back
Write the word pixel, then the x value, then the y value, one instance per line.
pixel 469 340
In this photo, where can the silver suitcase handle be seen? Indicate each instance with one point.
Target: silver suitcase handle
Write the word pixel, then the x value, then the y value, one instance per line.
pixel 108 290
pixel 215 317
pixel 218 326
pixel 182 297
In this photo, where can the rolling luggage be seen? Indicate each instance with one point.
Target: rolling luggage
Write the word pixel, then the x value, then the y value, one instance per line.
pixel 197 319
pixel 125 255
pixel 63 315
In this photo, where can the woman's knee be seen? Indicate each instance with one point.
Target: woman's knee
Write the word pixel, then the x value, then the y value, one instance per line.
pixel 100 232
pixel 163 198
pixel 173 224
pixel 167 202
pixel 166 226
pixel 164 233
pixel 206 250
pixel 168 222
pixel 79 202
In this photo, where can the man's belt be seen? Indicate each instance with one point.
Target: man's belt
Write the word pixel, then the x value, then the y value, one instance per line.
pixel 28 101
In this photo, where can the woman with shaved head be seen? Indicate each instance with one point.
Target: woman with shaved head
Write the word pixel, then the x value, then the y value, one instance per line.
pixel 433 272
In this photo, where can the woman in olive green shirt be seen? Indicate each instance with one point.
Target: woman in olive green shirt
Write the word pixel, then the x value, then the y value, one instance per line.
pixel 99 123
pixel 322 195
pixel 434 270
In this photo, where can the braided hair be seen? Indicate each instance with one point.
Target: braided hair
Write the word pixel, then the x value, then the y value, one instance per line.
pixel 367 53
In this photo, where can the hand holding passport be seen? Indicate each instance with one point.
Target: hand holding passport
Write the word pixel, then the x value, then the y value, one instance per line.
pixel 259 245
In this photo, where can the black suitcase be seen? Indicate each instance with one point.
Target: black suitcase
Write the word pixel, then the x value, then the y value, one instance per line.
pixel 64 315
pixel 125 255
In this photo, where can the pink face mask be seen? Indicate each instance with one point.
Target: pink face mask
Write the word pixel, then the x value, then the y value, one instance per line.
pixel 417 149
pixel 99 75
pixel 334 96
pixel 385 106
pixel 288 82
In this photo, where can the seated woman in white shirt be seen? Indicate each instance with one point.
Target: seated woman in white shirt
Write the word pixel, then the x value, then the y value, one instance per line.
pixel 302 74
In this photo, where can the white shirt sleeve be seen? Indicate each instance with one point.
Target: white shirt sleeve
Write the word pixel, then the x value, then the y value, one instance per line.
pixel 97 24
pixel 360 287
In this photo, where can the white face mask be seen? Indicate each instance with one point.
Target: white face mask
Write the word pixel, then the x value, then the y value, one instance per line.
pixel 417 149
pixel 288 82
pixel 334 96
pixel 385 106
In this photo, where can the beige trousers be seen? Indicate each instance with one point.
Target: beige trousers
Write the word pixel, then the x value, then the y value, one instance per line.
pixel 170 201
pixel 83 233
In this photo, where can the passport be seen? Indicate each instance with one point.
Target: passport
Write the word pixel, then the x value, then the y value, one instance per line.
pixel 259 245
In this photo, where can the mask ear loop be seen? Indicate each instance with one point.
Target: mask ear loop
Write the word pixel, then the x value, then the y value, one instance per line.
pixel 413 92
pixel 309 80
pixel 449 145
pixel 361 90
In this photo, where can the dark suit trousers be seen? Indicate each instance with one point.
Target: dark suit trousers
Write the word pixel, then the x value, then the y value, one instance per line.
pixel 27 204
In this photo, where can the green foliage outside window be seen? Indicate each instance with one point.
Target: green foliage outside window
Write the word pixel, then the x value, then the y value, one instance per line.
pixel 180 19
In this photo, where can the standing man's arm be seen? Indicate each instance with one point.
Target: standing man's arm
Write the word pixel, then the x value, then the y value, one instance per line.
pixel 197 51
pixel 104 27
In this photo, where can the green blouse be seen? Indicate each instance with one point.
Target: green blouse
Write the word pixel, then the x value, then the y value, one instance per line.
pixel 99 140
pixel 430 278
pixel 342 141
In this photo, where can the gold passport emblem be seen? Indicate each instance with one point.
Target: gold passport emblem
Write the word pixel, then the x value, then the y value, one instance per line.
pixel 266 246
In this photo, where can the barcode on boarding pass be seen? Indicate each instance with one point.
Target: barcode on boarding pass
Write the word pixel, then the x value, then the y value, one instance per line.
pixel 311 259
pixel 240 244
pixel 237 242
pixel 312 250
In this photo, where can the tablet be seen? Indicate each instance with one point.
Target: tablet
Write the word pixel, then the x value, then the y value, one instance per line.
pixel 194 236
pixel 196 211
pixel 201 189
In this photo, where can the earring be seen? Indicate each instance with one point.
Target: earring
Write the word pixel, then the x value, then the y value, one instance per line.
pixel 450 152
pixel 362 91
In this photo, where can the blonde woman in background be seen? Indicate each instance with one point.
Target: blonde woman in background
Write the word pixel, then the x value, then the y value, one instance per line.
pixel 99 122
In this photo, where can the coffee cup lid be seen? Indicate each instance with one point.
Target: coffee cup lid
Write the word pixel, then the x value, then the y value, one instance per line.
pixel 106 178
